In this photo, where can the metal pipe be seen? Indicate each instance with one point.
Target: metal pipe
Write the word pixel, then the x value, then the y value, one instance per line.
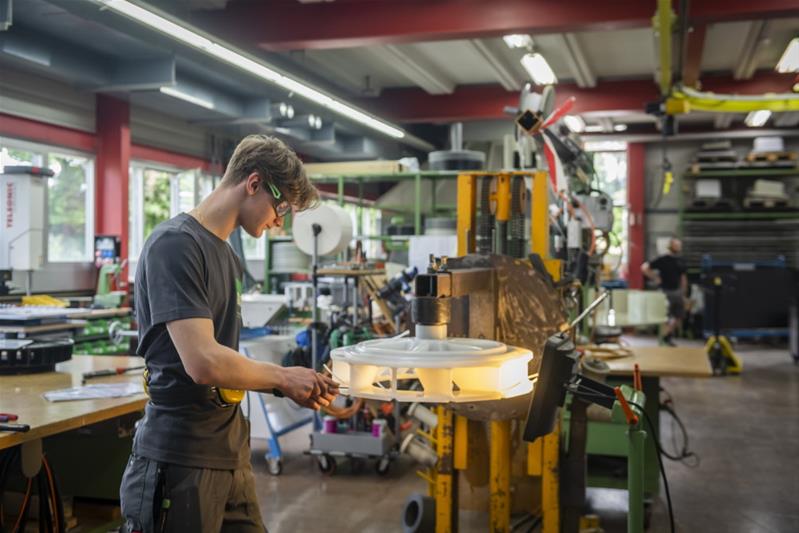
pixel 456 136
pixel 437 332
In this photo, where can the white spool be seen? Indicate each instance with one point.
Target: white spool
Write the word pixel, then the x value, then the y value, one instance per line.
pixel 336 229
pixel 423 415
pixel 420 451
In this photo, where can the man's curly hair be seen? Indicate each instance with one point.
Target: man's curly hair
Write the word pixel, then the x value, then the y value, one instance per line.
pixel 274 162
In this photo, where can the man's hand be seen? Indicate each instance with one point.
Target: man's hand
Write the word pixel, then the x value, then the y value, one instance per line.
pixel 308 388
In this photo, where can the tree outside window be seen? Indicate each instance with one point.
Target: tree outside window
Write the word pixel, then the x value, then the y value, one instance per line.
pixel 68 195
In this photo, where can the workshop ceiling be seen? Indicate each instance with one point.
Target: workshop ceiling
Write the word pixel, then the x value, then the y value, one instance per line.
pixel 396 48
pixel 407 61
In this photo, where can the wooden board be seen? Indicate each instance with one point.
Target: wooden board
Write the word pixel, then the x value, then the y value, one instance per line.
pixel 352 167
pixel 92 314
pixel 350 272
pixel 22 395
pixel 663 361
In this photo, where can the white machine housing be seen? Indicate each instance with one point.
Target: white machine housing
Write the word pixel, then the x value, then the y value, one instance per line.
pixel 22 220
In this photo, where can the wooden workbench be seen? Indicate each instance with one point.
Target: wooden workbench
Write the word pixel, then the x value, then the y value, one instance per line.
pixel 663 361
pixel 22 395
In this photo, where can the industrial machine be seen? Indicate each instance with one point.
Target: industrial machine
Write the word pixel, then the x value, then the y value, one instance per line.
pixel 23 212
pixel 107 259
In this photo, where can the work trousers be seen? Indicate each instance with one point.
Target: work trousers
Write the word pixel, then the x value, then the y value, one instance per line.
pixel 161 497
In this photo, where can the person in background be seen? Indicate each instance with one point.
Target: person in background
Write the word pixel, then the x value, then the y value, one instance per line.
pixel 668 272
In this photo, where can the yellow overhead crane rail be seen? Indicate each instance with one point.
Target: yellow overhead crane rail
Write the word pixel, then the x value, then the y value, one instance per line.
pixel 680 99
pixel 685 100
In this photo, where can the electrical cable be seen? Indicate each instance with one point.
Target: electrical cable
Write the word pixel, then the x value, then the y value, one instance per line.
pixel 658 448
pixel 683 452
pixel 23 510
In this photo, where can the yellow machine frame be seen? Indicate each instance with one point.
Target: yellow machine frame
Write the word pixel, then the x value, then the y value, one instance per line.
pixel 451 439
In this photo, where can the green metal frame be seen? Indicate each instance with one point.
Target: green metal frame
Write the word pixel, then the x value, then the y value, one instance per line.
pixel 619 439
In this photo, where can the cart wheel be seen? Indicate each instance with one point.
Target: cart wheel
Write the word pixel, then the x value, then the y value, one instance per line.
pixel 383 465
pixel 327 464
pixel 274 466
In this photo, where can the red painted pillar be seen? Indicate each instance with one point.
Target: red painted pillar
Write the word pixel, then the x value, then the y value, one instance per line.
pixel 111 170
pixel 636 199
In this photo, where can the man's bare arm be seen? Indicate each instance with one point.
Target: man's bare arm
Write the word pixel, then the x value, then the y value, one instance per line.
pixel 209 363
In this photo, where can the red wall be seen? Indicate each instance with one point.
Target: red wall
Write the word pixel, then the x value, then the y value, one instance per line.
pixel 636 198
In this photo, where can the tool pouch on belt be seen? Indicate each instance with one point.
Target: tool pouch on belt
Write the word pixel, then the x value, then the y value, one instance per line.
pixel 192 393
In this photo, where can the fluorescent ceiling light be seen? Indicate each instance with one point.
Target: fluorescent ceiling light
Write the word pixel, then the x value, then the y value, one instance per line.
pixel 175 93
pixel 538 69
pixel 789 62
pixel 620 127
pixel 575 123
pixel 518 40
pixel 594 128
pixel 757 119
pixel 226 54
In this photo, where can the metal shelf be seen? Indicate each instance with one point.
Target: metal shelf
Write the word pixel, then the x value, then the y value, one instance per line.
pixel 738 215
pixel 744 173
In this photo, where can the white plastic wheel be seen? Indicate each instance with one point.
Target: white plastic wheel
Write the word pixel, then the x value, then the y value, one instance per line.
pixel 449 369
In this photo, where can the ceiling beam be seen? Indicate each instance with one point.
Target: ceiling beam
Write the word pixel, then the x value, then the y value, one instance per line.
pixel 502 71
pixel 335 68
pixel 694 47
pixel 747 60
pixel 577 62
pixel 290 25
pixel 415 67
pixel 481 102
pixel 141 75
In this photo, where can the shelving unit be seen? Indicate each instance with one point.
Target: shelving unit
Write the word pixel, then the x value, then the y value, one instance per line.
pixel 734 233
pixel 360 179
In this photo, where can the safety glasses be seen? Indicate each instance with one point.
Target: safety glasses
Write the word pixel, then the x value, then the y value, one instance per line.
pixel 282 207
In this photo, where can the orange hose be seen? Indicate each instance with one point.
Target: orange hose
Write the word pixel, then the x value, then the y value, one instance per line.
pixel 344 412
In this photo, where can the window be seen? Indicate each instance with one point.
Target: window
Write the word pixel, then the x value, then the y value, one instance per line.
pixel 70 205
pixel 70 197
pixel 611 171
pixel 158 193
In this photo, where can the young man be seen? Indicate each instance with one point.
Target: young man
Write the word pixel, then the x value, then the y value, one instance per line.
pixel 190 466
pixel 668 271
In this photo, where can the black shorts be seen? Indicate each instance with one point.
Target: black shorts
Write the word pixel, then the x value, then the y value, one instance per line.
pixel 158 497
pixel 676 304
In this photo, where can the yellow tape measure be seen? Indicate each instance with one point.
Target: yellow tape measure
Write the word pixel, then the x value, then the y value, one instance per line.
pixel 231 396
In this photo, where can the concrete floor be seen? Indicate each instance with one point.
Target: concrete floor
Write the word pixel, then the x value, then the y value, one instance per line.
pixel 744 429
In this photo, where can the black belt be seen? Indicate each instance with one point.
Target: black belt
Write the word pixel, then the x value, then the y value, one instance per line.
pixel 183 395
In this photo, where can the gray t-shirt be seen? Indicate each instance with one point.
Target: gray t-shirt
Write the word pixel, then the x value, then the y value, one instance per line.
pixel 185 271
